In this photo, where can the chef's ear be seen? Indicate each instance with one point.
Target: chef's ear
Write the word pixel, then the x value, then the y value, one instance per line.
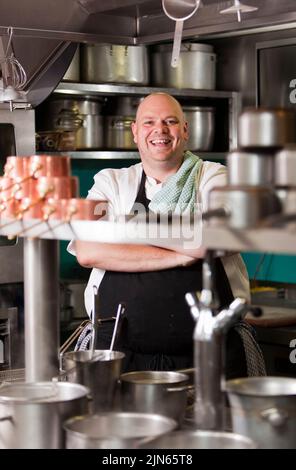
pixel 186 130
pixel 134 130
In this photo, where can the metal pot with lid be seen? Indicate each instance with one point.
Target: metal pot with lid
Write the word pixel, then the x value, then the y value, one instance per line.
pixel 81 115
pixel 32 414
pixel 196 68
pixel 111 63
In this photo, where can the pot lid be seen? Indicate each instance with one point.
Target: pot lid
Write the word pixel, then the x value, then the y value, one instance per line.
pixel 41 392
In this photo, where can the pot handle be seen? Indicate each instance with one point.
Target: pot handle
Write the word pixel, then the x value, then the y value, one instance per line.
pixel 180 389
pixel 275 417
pixel 7 418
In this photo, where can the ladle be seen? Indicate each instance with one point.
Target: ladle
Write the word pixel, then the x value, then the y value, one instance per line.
pixel 179 11
pixel 238 8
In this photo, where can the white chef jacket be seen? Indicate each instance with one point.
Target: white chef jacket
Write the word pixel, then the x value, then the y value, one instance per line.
pixel 120 187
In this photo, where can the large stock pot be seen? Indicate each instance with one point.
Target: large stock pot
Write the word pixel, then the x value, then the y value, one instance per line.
pixel 264 408
pixel 32 414
pixel 196 68
pixel 109 63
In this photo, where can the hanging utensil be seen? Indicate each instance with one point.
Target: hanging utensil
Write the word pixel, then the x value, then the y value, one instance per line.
pixel 238 8
pixel 179 11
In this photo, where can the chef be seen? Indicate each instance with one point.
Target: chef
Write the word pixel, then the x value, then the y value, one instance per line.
pixel 152 281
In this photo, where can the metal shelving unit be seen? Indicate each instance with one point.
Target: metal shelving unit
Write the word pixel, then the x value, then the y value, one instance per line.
pixel 74 89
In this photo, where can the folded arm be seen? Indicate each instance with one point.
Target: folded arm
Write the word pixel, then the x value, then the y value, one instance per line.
pixel 129 258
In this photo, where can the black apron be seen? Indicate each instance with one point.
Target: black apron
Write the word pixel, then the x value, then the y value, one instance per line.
pixel 157 332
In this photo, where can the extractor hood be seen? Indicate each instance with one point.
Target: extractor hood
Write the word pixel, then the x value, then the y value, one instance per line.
pixel 46 32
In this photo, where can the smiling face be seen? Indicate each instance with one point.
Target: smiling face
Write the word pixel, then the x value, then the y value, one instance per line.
pixel 160 131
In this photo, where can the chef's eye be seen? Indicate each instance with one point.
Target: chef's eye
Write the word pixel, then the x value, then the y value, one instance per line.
pixel 148 123
pixel 171 122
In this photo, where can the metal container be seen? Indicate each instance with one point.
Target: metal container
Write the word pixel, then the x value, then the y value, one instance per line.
pixel 242 206
pixel 196 68
pixel 263 127
pixel 119 133
pixel 115 430
pixel 73 71
pixel 201 440
pixel 160 392
pixel 250 168
pixel 99 373
pixel 285 166
pixel 32 414
pixel 82 115
pixel 287 196
pixel 264 410
pixel 107 63
pixel 201 122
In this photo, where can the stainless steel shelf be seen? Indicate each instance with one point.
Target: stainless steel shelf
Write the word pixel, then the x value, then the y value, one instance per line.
pixel 98 154
pixel 73 88
pixel 125 155
pixel 180 238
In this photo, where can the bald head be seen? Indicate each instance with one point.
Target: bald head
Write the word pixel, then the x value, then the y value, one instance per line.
pixel 159 99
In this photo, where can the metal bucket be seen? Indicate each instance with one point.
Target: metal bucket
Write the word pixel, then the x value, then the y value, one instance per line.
pixel 100 374
pixel 201 440
pixel 263 408
pixel 115 430
pixel 32 414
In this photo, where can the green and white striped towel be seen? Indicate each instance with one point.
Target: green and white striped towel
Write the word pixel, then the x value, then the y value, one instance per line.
pixel 178 194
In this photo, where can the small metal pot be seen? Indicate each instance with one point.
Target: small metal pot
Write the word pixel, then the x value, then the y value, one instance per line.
pixel 201 121
pixel 263 408
pixel 287 196
pixel 119 133
pixel 263 127
pixel 285 166
pixel 31 414
pixel 99 373
pixel 250 168
pixel 161 392
pixel 241 206
pixel 201 440
pixel 115 430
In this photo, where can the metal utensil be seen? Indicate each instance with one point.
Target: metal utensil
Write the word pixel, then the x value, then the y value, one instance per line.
pixel 120 311
pixel 179 11
pixel 94 323
pixel 238 8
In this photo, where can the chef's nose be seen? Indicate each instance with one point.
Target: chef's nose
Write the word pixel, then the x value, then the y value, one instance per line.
pixel 161 126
